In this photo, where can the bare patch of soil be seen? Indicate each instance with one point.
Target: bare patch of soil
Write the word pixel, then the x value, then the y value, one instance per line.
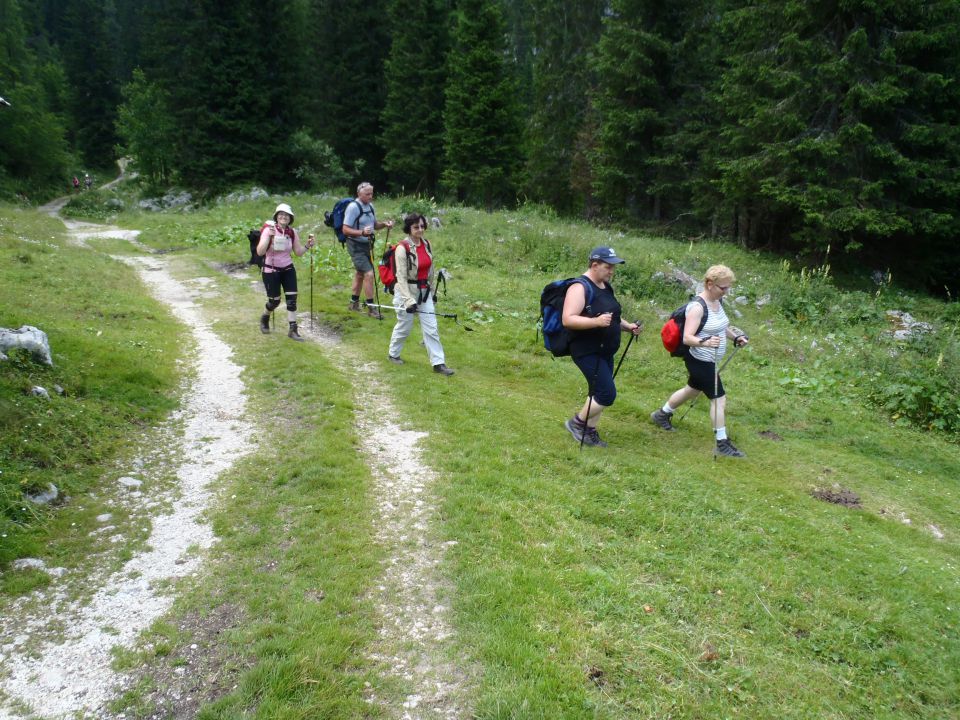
pixel 838 496
pixel 770 435
pixel 197 671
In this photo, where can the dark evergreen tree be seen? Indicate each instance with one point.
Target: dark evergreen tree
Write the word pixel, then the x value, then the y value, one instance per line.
pixel 841 128
pixel 89 54
pixel 481 115
pixel 412 118
pixel 33 148
pixel 230 74
pixel 635 96
pixel 346 85
pixel 565 33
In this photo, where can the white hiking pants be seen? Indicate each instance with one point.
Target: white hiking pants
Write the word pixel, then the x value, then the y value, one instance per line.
pixel 428 326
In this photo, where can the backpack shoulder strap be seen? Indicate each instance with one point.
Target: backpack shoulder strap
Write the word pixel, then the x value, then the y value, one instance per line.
pixel 706 312
pixel 359 213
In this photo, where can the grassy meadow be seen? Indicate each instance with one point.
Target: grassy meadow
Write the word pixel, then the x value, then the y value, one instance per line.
pixel 642 580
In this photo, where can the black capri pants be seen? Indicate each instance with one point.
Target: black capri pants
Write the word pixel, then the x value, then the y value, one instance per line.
pixel 598 370
pixel 285 278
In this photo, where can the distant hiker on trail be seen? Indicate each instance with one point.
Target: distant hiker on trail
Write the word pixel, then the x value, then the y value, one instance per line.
pixel 277 241
pixel 87 180
pixel 412 294
pixel 706 349
pixel 76 183
pixel 359 225
pixel 595 339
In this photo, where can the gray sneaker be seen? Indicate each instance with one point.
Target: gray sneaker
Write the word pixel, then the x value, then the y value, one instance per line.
pixel 395 360
pixel 443 369
pixel 662 420
pixel 575 428
pixel 727 449
pixel 592 437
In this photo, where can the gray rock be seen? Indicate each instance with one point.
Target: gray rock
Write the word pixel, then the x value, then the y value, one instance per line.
pixel 115 204
pixel 27 338
pixel 29 564
pixel 129 482
pixel 58 390
pixel 45 497
pixel 106 517
pixel 763 301
pixel 40 392
pixel 741 300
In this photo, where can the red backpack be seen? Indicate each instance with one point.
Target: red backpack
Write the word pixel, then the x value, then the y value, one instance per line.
pixel 672 331
pixel 388 264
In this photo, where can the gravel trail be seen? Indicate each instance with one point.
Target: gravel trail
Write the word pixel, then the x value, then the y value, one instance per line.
pixel 71 677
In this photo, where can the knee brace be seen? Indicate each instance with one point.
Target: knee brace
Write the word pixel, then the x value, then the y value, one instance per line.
pixel 273 304
pixel 292 302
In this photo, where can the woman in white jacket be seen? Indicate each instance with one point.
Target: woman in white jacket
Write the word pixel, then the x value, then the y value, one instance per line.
pixel 412 294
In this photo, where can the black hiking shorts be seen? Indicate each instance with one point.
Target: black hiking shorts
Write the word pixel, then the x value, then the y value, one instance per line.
pixel 700 377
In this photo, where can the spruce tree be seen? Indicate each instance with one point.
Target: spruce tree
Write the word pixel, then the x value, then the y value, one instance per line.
pixel 565 32
pixel 634 99
pixel 230 73
pixel 481 115
pixel 89 55
pixel 841 129
pixel 346 85
pixel 33 147
pixel 415 73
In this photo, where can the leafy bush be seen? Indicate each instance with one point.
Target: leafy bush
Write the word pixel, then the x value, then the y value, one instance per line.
pixel 919 381
pixel 92 204
pixel 224 235
pixel 422 204
pixel 318 165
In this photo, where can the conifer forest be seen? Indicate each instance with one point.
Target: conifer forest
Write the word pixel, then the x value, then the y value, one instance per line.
pixel 822 129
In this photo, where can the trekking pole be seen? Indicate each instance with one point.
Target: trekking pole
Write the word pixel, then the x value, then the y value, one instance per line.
pixel 311 289
pixel 449 316
pixel 625 350
pixel 715 401
pixel 725 362
pixel 376 287
pixel 590 386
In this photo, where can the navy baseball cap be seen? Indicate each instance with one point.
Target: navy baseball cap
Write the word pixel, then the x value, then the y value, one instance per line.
pixel 606 254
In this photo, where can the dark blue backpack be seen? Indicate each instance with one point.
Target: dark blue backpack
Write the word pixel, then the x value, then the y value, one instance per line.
pixel 556 338
pixel 334 218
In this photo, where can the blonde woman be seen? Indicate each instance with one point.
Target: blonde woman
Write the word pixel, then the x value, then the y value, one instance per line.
pixel 705 349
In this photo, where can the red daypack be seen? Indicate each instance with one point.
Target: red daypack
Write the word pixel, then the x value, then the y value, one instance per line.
pixel 672 331
pixel 388 264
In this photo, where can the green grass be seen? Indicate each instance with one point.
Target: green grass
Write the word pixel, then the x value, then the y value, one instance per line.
pixel 645 580
pixel 114 352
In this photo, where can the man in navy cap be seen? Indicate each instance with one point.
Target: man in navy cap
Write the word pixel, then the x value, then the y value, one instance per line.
pixel 592 313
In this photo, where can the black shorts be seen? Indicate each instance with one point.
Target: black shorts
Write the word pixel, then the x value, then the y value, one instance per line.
pixel 701 376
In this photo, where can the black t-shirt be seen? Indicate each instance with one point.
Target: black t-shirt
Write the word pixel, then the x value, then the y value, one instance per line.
pixel 604 340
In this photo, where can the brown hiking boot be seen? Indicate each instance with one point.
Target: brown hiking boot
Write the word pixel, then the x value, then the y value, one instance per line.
pixel 355 306
pixel 374 312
